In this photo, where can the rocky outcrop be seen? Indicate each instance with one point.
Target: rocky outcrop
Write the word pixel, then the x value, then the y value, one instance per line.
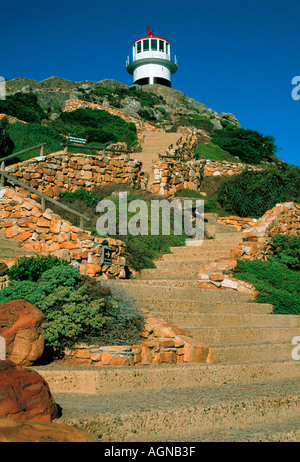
pixel 21 327
pixel 25 395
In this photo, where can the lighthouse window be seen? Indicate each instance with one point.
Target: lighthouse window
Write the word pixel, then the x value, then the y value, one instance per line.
pixel 161 45
pixel 153 45
pixel 139 47
pixel 146 45
pixel 167 48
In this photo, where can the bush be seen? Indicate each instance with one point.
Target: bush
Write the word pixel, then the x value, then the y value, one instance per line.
pixel 250 146
pixel 251 194
pixel 75 309
pixel 31 268
pixel 24 106
pixel 276 283
pixel 286 250
pixel 97 126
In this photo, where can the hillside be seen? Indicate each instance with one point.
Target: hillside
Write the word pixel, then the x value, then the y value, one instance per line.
pixel 173 103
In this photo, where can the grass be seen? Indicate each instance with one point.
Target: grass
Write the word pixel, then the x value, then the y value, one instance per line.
pixel 141 250
pixel 276 283
pixel 213 152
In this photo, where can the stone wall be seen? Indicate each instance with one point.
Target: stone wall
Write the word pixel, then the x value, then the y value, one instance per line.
pixel 172 176
pixel 282 219
pixel 224 168
pixel 237 222
pixel 22 219
pixel 61 171
pixel 163 344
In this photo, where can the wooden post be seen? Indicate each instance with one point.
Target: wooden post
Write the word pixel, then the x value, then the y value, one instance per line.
pixel 2 176
pixel 81 223
pixel 43 204
pixel 42 151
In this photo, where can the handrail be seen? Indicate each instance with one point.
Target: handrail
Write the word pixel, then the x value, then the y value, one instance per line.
pixel 44 197
pixel 15 154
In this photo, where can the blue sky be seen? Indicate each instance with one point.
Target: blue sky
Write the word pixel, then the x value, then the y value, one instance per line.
pixel 235 56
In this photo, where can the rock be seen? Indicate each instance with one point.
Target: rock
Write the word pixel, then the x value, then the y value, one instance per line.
pixel 21 327
pixel 24 394
pixel 19 431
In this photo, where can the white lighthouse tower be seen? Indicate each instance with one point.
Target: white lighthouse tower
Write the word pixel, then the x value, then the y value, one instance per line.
pixel 151 61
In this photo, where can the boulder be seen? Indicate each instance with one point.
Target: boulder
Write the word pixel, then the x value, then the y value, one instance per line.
pixel 24 394
pixel 21 327
pixel 19 431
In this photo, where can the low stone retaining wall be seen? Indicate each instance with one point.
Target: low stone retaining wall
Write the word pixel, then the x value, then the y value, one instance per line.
pixel 163 344
pixel 171 176
pixel 213 276
pixel 224 168
pixel 61 171
pixel 237 222
pixel 282 219
pixel 22 219
pixel 11 119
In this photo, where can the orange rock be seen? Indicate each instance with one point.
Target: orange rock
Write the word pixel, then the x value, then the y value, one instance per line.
pixel 194 351
pixel 23 236
pixel 105 358
pixel 43 223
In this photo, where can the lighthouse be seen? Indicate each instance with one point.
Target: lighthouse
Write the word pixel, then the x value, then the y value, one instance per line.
pixel 151 61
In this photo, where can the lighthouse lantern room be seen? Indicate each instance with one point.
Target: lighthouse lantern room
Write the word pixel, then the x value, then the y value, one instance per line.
pixel 151 61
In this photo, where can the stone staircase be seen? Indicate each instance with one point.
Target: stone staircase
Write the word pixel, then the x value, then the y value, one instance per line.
pixel 249 393
pixel 154 143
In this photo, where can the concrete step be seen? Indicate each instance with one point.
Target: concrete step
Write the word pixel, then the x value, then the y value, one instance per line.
pixel 152 289
pixel 173 272
pixel 212 336
pixel 195 307
pixel 168 415
pixel 164 290
pixel 223 320
pixel 252 353
pixel 104 380
pixel 279 432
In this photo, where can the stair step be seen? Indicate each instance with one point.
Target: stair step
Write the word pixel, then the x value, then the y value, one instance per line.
pixel 164 291
pixel 181 318
pixel 281 432
pixel 103 380
pixel 212 337
pixel 177 413
pixel 202 306
pixel 253 353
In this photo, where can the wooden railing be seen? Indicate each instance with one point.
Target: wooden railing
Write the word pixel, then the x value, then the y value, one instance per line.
pixel 4 175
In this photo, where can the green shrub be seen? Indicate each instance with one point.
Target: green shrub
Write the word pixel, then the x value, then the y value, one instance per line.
pixel 250 146
pixel 251 194
pixel 76 309
pixel 97 126
pixel 31 268
pixel 24 106
pixel 276 283
pixel 31 134
pixel 286 250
